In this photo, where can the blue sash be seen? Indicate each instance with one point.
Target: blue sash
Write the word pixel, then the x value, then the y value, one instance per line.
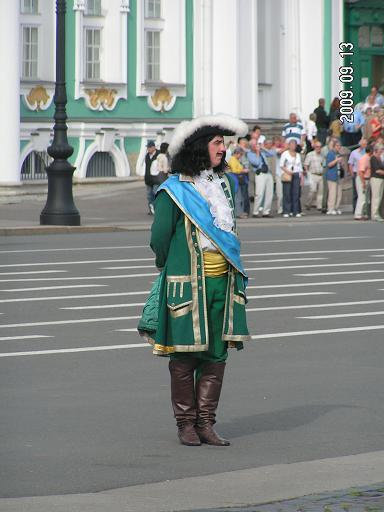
pixel 196 208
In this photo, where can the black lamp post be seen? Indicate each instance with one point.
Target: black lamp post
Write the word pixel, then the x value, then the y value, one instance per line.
pixel 60 208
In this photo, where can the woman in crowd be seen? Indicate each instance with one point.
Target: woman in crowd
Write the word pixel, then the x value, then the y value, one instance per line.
pixel 334 109
pixel 333 174
pixel 291 176
pixel 163 161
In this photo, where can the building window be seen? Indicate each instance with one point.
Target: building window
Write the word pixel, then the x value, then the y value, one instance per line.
pixel 153 8
pixel 363 36
pixel 152 55
pixel 101 164
pixel 376 36
pixel 29 7
pixel 34 166
pixel 92 53
pixel 93 8
pixel 30 52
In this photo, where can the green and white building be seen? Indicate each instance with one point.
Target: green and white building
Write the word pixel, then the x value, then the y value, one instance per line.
pixel 135 68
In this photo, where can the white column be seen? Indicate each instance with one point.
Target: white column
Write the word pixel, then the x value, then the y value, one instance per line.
pixel 225 77
pixel 337 37
pixel 311 54
pixel 291 92
pixel 202 60
pixel 10 93
pixel 246 63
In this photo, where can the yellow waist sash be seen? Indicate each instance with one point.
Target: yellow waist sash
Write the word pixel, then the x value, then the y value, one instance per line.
pixel 214 264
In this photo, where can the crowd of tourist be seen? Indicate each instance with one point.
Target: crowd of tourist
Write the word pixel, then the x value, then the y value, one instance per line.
pixel 315 161
pixel 309 164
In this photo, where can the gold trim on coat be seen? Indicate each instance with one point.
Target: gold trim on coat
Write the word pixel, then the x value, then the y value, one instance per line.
pixel 178 279
pixel 194 285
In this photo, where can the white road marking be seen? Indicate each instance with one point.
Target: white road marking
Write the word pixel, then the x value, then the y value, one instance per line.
pixel 325 305
pixel 320 265
pixel 126 330
pixel 120 305
pixel 342 315
pixel 53 287
pixel 142 345
pixel 286 259
pixel 32 272
pixel 72 350
pixel 81 262
pixel 341 273
pixel 309 252
pixel 30 337
pixel 76 321
pixel 127 268
pixel 319 331
pixel 64 297
pixel 106 306
pixel 286 294
pixel 62 249
pixel 321 283
pixel 303 239
pixel 121 276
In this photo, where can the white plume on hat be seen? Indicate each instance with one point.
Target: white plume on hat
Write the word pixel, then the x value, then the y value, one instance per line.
pixel 187 128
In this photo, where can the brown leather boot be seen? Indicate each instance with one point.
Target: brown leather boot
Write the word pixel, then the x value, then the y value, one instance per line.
pixel 184 399
pixel 208 390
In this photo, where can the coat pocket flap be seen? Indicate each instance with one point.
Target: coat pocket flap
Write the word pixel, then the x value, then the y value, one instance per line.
pixel 174 307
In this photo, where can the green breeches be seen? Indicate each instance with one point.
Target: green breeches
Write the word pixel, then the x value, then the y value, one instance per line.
pixel 216 288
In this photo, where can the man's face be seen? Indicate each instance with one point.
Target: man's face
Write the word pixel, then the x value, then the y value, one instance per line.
pixel 216 150
pixel 255 134
pixel 255 146
pixel 293 118
pixel 317 147
pixel 151 149
pixel 321 102
pixel 268 144
pixel 363 143
pixel 243 143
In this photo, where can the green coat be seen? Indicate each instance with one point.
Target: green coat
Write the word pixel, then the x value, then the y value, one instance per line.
pixel 182 321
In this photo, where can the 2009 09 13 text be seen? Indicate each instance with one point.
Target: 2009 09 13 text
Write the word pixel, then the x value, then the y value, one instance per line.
pixel 346 78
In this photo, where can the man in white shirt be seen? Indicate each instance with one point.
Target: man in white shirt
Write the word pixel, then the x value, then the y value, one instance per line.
pixel 314 166
pixel 257 136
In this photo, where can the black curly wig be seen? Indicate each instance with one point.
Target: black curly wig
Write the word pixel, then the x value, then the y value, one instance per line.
pixel 194 158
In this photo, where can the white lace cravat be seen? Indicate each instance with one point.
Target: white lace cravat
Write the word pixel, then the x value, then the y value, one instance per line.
pixel 209 186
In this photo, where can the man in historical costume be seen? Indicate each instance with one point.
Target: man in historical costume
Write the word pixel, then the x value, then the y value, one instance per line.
pixel 199 298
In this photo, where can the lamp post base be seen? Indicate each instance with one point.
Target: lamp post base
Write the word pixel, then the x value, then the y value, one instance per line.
pixel 60 209
pixel 59 219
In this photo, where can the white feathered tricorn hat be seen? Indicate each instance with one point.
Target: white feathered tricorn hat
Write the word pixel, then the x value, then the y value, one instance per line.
pixel 189 131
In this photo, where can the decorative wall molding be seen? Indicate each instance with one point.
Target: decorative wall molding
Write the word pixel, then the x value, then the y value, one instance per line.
pixel 162 100
pixel 101 98
pixel 37 97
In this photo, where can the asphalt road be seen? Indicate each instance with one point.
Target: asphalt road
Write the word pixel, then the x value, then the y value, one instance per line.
pixel 83 408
